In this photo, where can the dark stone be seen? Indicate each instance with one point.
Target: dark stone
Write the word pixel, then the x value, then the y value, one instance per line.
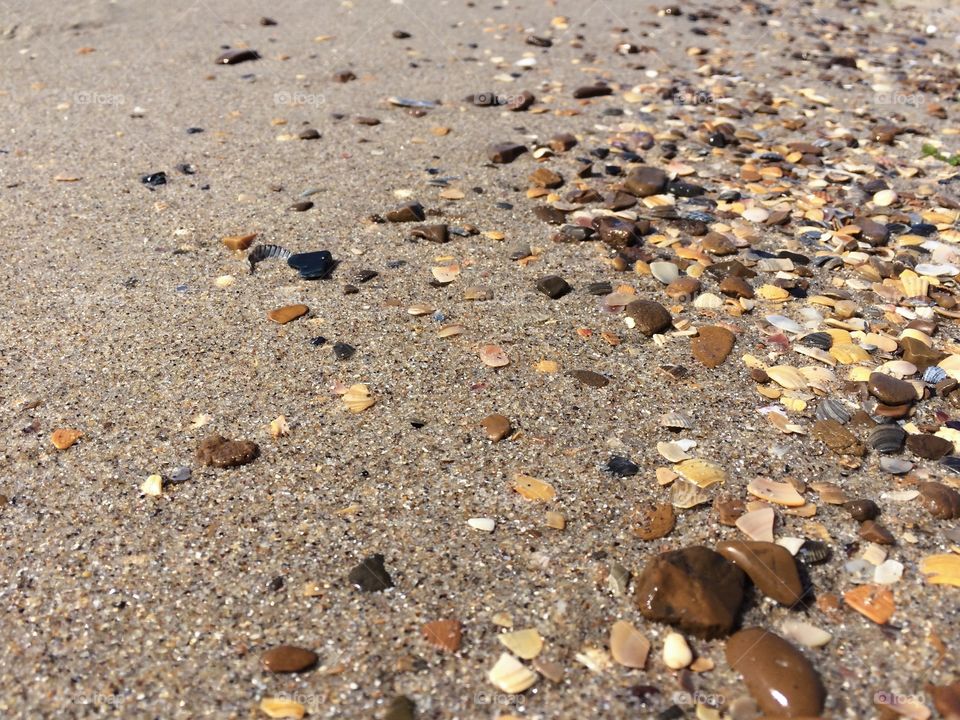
pixel 154 179
pixel 644 181
pixel 862 509
pixel 588 377
pixel 410 212
pixel 592 91
pixel 309 134
pixel 342 351
pixel 434 233
pixel 370 575
pixel 940 500
pixel 650 317
pixel 930 447
pixel 624 467
pixel 301 206
pixel 216 451
pixel 312 265
pixel 502 153
pixel 550 214
pixel 553 286
pixel 234 57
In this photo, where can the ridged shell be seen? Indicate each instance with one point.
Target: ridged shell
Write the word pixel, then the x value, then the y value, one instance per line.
pixel 511 675
pixel 895 466
pixel 887 438
pixel 703 473
pixel 832 409
pixel 913 284
pixel 814 552
pixel 686 495
pixel 676 421
pixel 933 374
pixel 708 301
pixel 820 340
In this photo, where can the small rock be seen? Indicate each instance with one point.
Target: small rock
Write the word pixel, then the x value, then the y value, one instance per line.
pixel 683 289
pixel 217 451
pixel 676 652
pixel 862 509
pixel 410 212
pixel 343 351
pixel 588 377
pixel 545 178
pixel 433 233
pixel 624 467
pixel 301 206
pixel 288 659
pixel 444 634
pixel 650 317
pixel 940 500
pixel 309 134
pixel 888 389
pixel 644 181
pixel 771 567
pixel 930 447
pixel 370 575
pixel 654 521
pixel 503 153
pixel 592 91
pixel 553 286
pixel 234 57
pixel 734 286
pixel 401 708
pixel 496 426
pixel 712 345
pixel 287 313
pixel 875 532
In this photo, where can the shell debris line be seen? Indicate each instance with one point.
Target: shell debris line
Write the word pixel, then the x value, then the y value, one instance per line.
pixel 482 359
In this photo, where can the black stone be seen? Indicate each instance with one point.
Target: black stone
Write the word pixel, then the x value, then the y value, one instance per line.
pixel 301 206
pixel 154 179
pixel 312 265
pixel 624 467
pixel 318 341
pixel 194 130
pixel 276 584
pixel 600 288
pixel 370 575
pixel 234 57
pixel 553 286
pixel 342 351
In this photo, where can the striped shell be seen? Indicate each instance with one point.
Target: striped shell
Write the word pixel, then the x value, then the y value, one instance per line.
pixel 266 252
pixel 820 340
pixel 676 421
pixel 933 374
pixel 887 438
pixel 814 552
pixel 832 409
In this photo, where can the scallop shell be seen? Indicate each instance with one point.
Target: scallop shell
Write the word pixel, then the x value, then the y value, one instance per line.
pixel 686 495
pixel 665 272
pixel 358 398
pixel 493 356
pixel 933 374
pixel 913 284
pixel 676 421
pixel 672 452
pixel 702 473
pixel 525 644
pixel 757 524
pixel 849 354
pixel 820 340
pixel 787 377
pixel 510 675
pixel 708 301
pixel 817 354
pixel 775 492
pixel 887 438
pixel 832 409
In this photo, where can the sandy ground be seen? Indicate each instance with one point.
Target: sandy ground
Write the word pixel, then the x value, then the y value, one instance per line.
pixel 115 604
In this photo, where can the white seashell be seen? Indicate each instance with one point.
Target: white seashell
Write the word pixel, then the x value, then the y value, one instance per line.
pixel 665 272
pixel 937 270
pixel 901 495
pixel 484 524
pixel 511 675
pixel 793 544
pixel 756 214
pixel 888 572
pixel 676 652
pixel 804 633
pixel 757 524
pixel 526 644
pixel 708 301
pixel 594 659
pixel 781 322
pixel 898 368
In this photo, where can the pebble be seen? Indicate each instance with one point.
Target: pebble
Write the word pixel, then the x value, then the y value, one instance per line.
pixel 592 91
pixel 770 566
pixel 590 378
pixel 777 675
pixel 180 475
pixel 676 652
pixel 650 317
pixel 64 438
pixel 553 286
pixel 628 646
pixel 653 522
pixel 312 265
pixel 444 634
pixel 370 575
pixel 735 286
pixel 301 206
pixel 503 153
pixel 235 57
pixel 401 708
pixel 216 451
pixel 154 179
pixel 930 447
pixel 288 313
pixel 309 134
pixel 409 212
pixel 890 390
pixel 622 466
pixel 712 345
pixel 875 532
pixel 496 426
pixel 545 178
pixel 695 588
pixel 683 289
pixel 941 501
pixel 862 509
pixel 288 659
pixel 434 233
pixel 511 676
pixel 343 351
pixel 645 181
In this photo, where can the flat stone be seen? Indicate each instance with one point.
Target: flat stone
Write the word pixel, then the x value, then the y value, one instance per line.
pixel 312 265
pixel 862 509
pixel 650 317
pixel 521 101
pixel 683 289
pixel 301 206
pixel 695 589
pixel 890 390
pixel 777 675
pixel 234 57
pixel 940 500
pixel 622 466
pixel 287 313
pixel 553 286
pixel 836 437
pixel 502 153
pixel 545 178
pixel 444 634
pixel 617 232
pixel 409 212
pixel 288 659
pixel 439 233
pixel 712 345
pixel 644 181
pixel 496 426
pixel 771 567
pixel 588 377
pixel 550 215
pixel 875 532
pixel 343 351
pixel 216 451
pixel 401 708
pixel 735 286
pixel 591 91
pixel 370 575
pixel 919 353
pixel 930 447
pixel 718 244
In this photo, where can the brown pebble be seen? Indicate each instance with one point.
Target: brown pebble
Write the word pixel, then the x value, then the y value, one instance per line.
pixel 777 675
pixel 644 181
pixel 239 242
pixel 434 233
pixel 718 244
pixel 287 313
pixel 694 588
pixel 684 288
pixel 889 390
pixel 521 102
pixel 588 377
pixel 712 345
pixel 592 91
pixel 216 451
pixel 771 567
pixel 728 509
pixel 946 699
pixel 930 447
pixel 502 153
pixel 444 634
pixel 940 500
pixel 875 532
pixel 410 212
pixel 650 317
pixel 497 426
pixel 759 375
pixel 562 142
pixel 301 206
pixel 734 286
pixel 545 178
pixel 654 521
pixel 836 437
pixel 862 509
pixel 919 353
pixel 288 659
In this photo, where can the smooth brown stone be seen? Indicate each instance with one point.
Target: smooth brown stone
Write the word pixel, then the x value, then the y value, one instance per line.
pixel 497 426
pixel 917 352
pixel 927 327
pixel 592 91
pixel 930 447
pixel 712 345
pixel 946 699
pixel 862 509
pixel 734 286
pixel 695 589
pixel 718 244
pixel 650 317
pixel 617 232
pixel 892 411
pixel 288 659
pixel 684 288
pixel 562 142
pixel 503 153
pixel 777 675
pixel 588 377
pixel 411 212
pixel 644 181
pixel 444 634
pixel 301 206
pixel 433 233
pixel 287 313
pixel 344 76
pixel 216 451
pixel 836 437
pixel 239 242
pixel 729 509
pixel 550 215
pixel 654 521
pixel 771 567
pixel 875 532
pixel 889 390
pixel 545 178
pixel 521 102
pixel 940 500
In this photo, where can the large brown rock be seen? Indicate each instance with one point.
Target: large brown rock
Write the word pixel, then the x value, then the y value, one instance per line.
pixel 695 589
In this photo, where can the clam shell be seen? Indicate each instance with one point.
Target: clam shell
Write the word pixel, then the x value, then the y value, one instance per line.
pixel 702 473
pixel 358 398
pixel 788 377
pixel 686 495
pixel 832 409
pixel 913 284
pixel 525 644
pixel 708 301
pixel 887 438
pixel 775 492
pixel 895 466
pixel 510 675
pixel 676 421
pixel 781 322
pixel 628 646
pixel 804 633
pixel 933 374
pixel 757 524
pixel 665 272
pixel 672 452
pixel 820 340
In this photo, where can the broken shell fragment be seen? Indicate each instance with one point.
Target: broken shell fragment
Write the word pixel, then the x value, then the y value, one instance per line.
pixel 702 473
pixel 775 492
pixel 628 646
pixel 358 398
pixel 525 644
pixel 533 489
pixel 757 524
pixel 511 676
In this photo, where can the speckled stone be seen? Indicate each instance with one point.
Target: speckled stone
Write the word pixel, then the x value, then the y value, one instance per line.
pixel 288 659
pixel 650 317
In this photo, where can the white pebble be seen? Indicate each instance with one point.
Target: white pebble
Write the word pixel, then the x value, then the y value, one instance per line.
pixel 676 652
pixel 483 524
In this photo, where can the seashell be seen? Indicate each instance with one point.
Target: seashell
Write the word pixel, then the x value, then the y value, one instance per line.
pixel 282 708
pixel 860 570
pixel 708 301
pixel 814 552
pixel 784 323
pixel 804 633
pixel 832 409
pixel 525 644
pixel 773 265
pixel 445 274
pixel 787 377
pixel 818 378
pixel 493 356
pixel 676 421
pixel 266 252
pixel 628 646
pixel 702 473
pixel 511 676
pixel 775 492
pixel 888 572
pixel 665 272
pixel 897 368
pixel 913 284
pixel 941 569
pixel 757 524
pixel 895 466
pixel 933 374
pixel 419 309
pixel 792 544
pixel 672 452
pixel 358 398
pixel 685 495
pixel 849 354
pixel 937 270
pixel 820 340
pixel 595 659
pixel 887 438
pixel 450 330
pixel 482 524
pixel 872 601
pixel 533 489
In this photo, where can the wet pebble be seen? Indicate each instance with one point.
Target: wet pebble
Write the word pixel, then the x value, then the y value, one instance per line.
pixel 644 181
pixel 343 351
pixel 370 575
pixel 622 466
pixel 235 57
pixel 941 501
pixel 288 659
pixel 503 153
pixel 771 567
pixel 409 212
pixel 553 286
pixel 312 265
pixel 890 390
pixel 874 532
pixel 862 509
pixel 496 426
pixel 650 317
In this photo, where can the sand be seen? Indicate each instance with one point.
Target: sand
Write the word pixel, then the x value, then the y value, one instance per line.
pixel 116 604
